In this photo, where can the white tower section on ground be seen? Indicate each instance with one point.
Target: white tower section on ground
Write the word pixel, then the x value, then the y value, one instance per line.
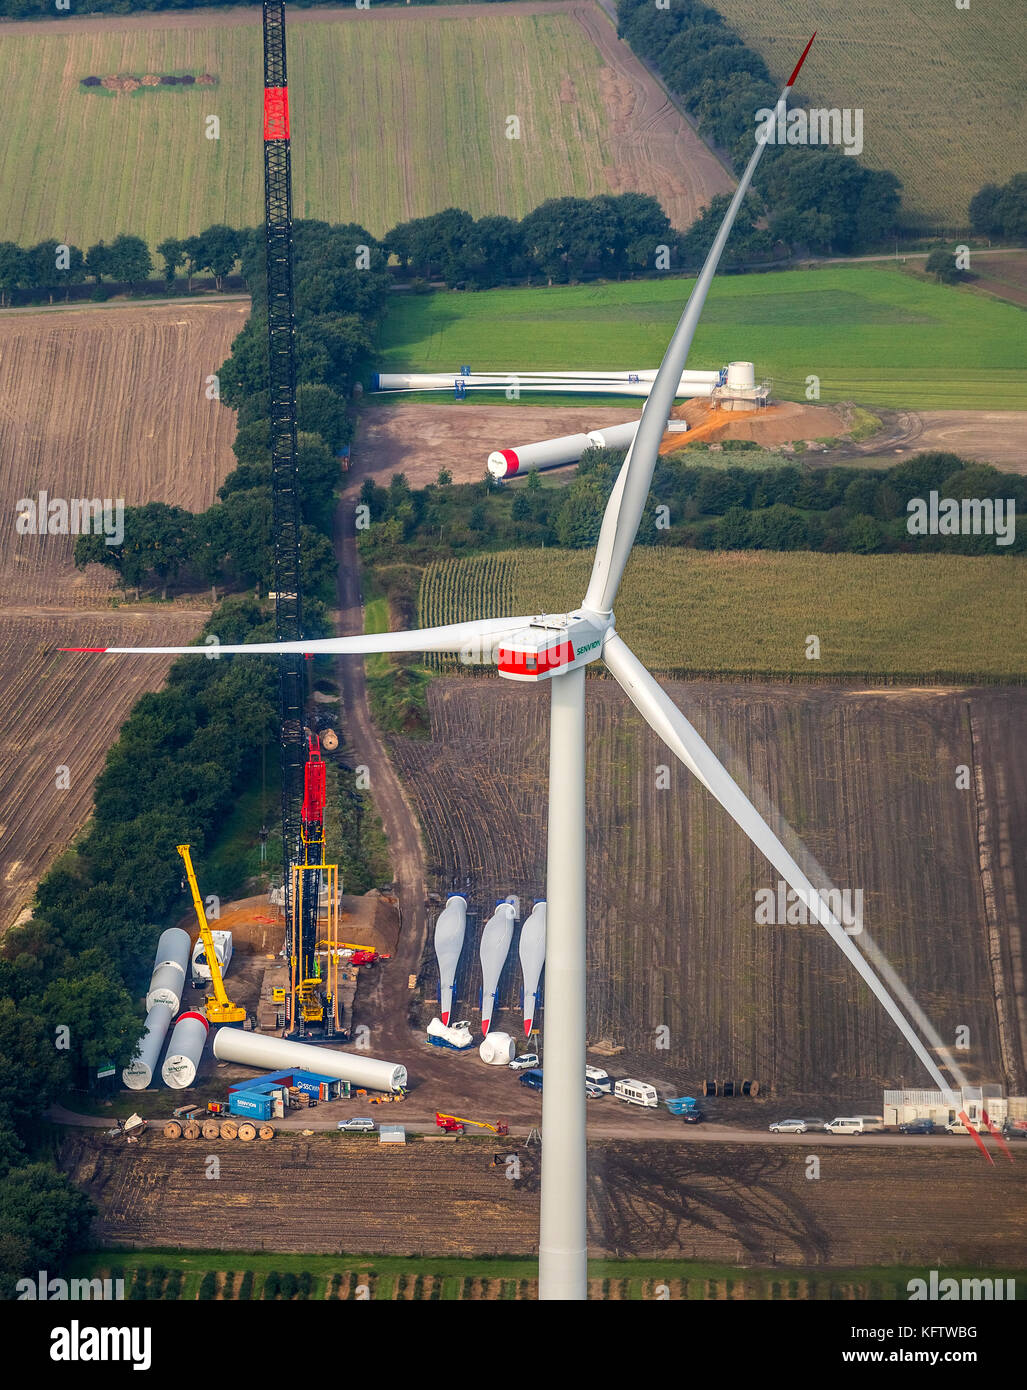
pixel 258 1050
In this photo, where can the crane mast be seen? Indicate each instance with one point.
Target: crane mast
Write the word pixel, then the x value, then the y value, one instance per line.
pixel 301 908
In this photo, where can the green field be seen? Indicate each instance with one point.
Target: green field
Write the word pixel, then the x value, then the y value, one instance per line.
pixel 941 87
pixel 934 617
pixel 871 334
pixel 391 118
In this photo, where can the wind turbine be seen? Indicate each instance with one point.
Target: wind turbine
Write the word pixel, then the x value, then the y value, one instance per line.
pixel 558 648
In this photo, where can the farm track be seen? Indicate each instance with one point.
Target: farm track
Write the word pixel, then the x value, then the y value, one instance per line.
pixel 93 405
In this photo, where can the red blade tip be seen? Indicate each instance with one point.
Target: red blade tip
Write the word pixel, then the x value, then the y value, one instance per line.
pixel 81 649
pixel 798 65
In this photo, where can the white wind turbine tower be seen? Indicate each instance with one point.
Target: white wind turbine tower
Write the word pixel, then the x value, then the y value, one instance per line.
pixel 558 649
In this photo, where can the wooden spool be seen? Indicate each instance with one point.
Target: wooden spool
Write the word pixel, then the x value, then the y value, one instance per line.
pixel 192 1130
pixel 210 1129
pixel 247 1131
pixel 267 1131
pixel 172 1130
pixel 229 1129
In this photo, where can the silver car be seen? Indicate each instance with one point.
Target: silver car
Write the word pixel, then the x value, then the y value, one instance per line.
pixel 788 1127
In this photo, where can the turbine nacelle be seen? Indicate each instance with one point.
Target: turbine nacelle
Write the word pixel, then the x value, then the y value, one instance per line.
pixel 550 645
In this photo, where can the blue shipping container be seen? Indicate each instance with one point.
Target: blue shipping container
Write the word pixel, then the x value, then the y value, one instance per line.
pixel 248 1103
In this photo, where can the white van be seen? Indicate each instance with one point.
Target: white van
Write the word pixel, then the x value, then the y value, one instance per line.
pixel 595 1076
pixel 872 1124
pixel 637 1093
pixel 848 1124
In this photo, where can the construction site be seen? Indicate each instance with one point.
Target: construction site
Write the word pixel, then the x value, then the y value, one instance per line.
pixel 416 1069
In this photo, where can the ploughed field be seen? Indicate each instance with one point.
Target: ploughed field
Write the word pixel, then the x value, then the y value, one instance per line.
pixel 735 1204
pixel 681 974
pixel 94 403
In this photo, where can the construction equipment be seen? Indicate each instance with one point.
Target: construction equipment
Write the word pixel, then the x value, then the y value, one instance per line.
pixel 219 1008
pixel 456 1124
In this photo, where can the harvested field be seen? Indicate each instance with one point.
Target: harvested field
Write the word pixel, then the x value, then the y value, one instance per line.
pixel 942 152
pixel 63 712
pixel 732 1204
pixel 591 120
pixel 866 778
pixel 1004 276
pixel 107 403
pixel 104 403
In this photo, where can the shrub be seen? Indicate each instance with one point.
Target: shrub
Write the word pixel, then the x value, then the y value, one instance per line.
pixel 208 1286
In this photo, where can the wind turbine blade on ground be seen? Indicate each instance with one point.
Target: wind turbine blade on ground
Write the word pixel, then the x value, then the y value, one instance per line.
pixel 664 717
pixel 627 501
pixel 428 639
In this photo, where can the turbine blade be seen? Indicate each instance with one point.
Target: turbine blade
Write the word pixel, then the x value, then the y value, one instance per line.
pixel 429 639
pixel 627 501
pixel 664 717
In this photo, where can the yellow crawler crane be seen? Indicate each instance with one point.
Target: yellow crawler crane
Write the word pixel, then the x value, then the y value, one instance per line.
pixel 219 1008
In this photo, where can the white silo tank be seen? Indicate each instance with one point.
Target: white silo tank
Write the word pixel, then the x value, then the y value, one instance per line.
pixel 184 1051
pixel 498 1049
pixel 170 963
pixel 741 376
pixel 139 1072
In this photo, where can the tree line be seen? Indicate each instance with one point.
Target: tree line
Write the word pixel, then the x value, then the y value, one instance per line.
pixel 51 266
pixel 1001 210
pixel 71 977
pixel 782 507
pixel 813 198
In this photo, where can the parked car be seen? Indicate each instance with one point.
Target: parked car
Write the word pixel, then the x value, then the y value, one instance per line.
pixel 1016 1130
pixel 958 1127
pixel 693 1117
pixel 789 1127
pixel 532 1079
pixel 844 1124
pixel 359 1124
pixel 917 1127
pixel 524 1061
pixel 594 1092
pixel 817 1122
